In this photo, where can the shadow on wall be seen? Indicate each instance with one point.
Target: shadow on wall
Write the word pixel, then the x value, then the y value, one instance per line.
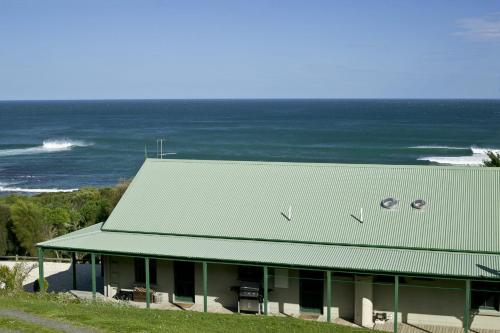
pixel 228 301
pixel 61 279
pixel 489 270
pixel 424 300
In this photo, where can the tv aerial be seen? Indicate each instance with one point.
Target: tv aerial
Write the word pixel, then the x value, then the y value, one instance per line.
pixel 159 149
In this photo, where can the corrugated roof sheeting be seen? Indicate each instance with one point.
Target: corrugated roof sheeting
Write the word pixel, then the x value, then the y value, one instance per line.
pixel 246 199
pixel 433 263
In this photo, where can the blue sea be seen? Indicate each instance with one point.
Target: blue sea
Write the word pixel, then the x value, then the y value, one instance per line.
pixel 63 145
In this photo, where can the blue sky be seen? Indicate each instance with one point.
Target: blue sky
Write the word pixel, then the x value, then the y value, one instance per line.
pixel 249 49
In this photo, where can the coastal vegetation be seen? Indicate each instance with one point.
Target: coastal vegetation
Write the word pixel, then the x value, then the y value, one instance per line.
pixel 27 220
pixel 118 317
pixel 13 278
pixel 493 159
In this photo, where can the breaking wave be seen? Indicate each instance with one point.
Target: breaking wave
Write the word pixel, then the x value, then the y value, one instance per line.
pixel 48 146
pixel 439 147
pixel 33 190
pixel 477 158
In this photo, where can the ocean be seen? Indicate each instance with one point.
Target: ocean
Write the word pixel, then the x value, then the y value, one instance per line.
pixel 50 146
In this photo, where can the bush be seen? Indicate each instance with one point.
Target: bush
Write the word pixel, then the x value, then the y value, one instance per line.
pixel 13 278
pixel 36 285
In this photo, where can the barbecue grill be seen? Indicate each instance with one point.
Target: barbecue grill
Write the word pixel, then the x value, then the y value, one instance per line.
pixel 249 296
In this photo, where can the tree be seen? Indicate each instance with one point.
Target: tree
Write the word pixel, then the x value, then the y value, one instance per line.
pixel 4 231
pixel 494 159
pixel 27 219
pixel 33 223
pixel 58 217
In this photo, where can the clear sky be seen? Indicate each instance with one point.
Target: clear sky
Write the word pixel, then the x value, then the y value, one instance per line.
pixel 96 49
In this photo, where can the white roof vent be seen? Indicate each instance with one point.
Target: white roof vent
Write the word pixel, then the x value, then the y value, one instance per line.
pixel 389 203
pixel 418 204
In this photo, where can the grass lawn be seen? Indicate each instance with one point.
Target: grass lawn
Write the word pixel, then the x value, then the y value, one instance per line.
pixel 108 317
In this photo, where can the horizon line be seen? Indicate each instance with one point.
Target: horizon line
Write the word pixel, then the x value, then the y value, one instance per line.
pixel 252 98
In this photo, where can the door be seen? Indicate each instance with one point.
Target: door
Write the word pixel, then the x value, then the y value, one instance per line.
pixel 184 281
pixel 311 292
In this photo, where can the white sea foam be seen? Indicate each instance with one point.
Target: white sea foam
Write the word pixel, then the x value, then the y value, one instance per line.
pixel 438 147
pixel 48 146
pixel 34 190
pixel 484 150
pixel 477 158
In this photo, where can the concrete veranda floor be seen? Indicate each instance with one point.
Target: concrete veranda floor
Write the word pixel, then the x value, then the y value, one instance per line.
pixel 410 328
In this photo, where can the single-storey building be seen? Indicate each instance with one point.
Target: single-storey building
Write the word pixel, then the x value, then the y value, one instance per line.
pixel 365 243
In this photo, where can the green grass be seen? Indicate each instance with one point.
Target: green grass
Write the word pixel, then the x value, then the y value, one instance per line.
pixel 107 317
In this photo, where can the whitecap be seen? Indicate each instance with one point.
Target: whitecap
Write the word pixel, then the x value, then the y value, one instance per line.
pixel 479 155
pixel 48 146
pixel 35 190
pixel 483 151
pixel 438 147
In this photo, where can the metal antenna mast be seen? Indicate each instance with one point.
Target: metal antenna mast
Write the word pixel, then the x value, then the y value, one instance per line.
pixel 159 149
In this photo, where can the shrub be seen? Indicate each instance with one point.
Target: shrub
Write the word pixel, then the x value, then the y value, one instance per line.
pixel 13 278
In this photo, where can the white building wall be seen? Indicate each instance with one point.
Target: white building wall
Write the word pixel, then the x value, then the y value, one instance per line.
pixel 285 299
pixel 342 297
pixel 119 273
pixel 427 303
pixel 423 305
pixel 363 301
pixel 220 280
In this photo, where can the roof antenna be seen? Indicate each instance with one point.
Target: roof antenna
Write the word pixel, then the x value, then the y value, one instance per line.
pixel 289 216
pixel 145 152
pixel 159 149
pixel 360 219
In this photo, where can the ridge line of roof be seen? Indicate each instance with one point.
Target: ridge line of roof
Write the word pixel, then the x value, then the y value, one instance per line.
pixel 324 164
pixel 301 242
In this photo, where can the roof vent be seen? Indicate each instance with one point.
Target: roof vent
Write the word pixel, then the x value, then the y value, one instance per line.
pixel 418 204
pixel 389 203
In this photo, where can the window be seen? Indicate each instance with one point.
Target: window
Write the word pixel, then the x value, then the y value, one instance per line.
pixel 140 270
pixel 486 295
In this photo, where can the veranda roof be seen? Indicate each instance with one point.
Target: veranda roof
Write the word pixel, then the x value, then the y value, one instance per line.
pixel 340 258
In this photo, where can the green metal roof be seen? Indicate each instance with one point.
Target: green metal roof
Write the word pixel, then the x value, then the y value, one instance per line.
pixel 232 211
pixel 245 200
pixel 379 260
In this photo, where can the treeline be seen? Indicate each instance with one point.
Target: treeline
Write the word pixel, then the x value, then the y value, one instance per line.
pixel 27 220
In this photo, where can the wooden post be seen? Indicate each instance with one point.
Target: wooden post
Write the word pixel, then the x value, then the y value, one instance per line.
pixel 205 287
pixel 148 291
pixel 92 259
pixel 266 292
pixel 328 296
pixel 396 302
pixel 467 306
pixel 41 278
pixel 73 268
